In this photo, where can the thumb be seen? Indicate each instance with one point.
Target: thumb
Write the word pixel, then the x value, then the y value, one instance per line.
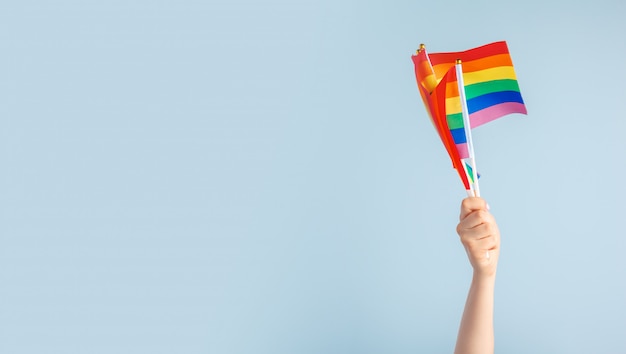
pixel 471 204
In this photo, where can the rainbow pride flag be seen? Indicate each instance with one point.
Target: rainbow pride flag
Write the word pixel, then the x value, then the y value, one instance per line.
pixel 445 107
pixel 491 87
pixel 470 173
pixel 454 114
pixel 488 90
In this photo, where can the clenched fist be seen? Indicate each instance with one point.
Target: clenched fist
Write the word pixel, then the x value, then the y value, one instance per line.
pixel 480 236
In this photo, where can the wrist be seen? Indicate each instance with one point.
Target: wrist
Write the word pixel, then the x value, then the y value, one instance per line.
pixel 484 278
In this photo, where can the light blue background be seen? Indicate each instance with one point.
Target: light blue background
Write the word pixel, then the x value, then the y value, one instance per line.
pixel 261 177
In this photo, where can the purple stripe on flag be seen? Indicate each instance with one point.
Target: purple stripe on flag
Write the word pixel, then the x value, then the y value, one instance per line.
pixel 494 112
pixel 463 151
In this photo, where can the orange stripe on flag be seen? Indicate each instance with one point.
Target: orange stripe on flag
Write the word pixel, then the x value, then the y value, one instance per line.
pixel 476 65
pixel 486 63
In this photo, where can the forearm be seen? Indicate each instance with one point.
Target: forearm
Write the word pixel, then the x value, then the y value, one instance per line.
pixel 476 330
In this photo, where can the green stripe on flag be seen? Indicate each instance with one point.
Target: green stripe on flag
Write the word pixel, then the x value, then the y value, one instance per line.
pixel 455 121
pixel 470 172
pixel 483 88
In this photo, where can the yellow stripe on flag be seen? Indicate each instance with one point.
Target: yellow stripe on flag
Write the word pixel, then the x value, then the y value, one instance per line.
pixel 499 73
pixel 453 105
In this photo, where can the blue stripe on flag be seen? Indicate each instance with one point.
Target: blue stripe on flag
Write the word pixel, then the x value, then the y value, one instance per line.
pixel 491 99
pixel 458 135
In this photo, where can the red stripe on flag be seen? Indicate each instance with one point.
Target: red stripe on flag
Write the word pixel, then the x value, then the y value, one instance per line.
pixel 471 54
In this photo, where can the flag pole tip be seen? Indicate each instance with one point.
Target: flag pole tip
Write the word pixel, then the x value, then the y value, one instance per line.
pixel 458 61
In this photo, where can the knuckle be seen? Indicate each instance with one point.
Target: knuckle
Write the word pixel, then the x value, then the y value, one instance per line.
pixel 481 215
pixel 459 229
pixel 473 247
pixel 489 228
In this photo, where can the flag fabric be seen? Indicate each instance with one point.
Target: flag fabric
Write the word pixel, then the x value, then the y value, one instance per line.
pixel 447 103
pixel 454 114
pixel 490 88
pixel 424 72
pixel 470 173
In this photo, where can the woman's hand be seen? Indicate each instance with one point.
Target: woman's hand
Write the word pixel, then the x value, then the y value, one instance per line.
pixel 480 236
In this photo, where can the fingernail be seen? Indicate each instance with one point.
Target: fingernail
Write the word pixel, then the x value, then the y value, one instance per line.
pixel 488 208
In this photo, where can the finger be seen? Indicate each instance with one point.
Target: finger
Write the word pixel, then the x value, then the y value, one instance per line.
pixel 471 204
pixel 483 245
pixel 477 233
pixel 477 217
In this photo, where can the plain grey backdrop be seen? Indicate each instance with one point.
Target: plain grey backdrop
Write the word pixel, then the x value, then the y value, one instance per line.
pixel 261 177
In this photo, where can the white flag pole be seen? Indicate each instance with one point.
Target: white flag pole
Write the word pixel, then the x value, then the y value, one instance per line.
pixel 468 128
